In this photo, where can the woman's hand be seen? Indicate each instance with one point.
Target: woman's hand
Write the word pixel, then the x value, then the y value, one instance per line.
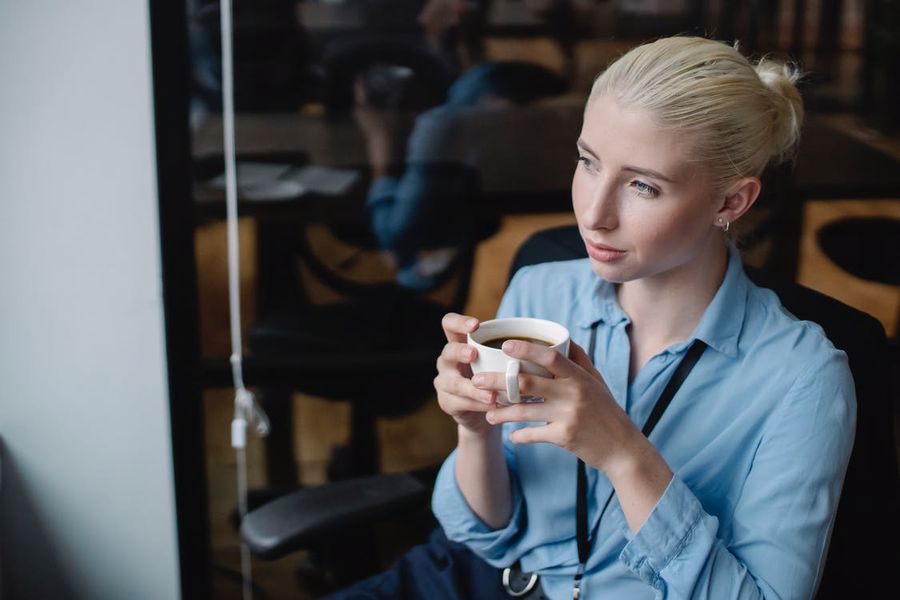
pixel 579 413
pixel 456 395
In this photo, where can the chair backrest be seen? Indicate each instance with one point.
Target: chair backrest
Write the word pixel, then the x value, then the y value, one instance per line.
pixel 334 315
pixel 272 57
pixel 870 501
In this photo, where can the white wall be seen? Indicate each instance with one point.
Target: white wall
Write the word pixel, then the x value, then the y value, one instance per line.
pixel 87 506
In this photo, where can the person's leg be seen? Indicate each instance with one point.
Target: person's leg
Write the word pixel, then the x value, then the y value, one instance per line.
pixel 437 570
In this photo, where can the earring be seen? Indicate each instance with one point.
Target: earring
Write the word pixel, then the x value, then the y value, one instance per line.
pixel 721 222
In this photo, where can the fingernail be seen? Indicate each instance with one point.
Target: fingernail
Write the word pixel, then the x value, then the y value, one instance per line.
pixel 510 346
pixel 472 323
pixel 478 380
pixel 489 415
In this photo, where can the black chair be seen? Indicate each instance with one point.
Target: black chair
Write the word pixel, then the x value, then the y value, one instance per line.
pixel 373 348
pixel 273 61
pixel 866 515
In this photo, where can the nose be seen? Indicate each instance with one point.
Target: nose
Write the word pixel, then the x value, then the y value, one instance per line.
pixel 602 211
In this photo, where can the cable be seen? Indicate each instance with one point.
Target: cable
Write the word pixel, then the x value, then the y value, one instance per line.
pixel 246 410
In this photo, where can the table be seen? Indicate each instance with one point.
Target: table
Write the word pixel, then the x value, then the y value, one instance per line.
pixel 529 152
pixel 515 173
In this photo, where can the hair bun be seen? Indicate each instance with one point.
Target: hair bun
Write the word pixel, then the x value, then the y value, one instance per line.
pixel 781 79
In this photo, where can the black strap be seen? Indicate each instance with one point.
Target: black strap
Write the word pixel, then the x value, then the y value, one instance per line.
pixel 581 526
pixel 684 369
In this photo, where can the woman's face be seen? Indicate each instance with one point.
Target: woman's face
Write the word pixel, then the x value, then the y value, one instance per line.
pixel 643 209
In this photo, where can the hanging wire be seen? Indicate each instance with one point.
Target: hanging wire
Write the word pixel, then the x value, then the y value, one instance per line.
pixel 246 409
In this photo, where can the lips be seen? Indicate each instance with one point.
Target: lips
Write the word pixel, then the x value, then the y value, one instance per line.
pixel 603 253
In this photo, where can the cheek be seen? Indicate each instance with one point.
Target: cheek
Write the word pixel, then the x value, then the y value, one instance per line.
pixel 578 191
pixel 665 232
pixel 581 195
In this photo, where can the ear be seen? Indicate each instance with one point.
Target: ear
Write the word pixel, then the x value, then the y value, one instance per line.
pixel 739 197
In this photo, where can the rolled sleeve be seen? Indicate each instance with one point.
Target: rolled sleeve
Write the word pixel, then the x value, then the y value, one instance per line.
pixel 667 530
pixel 782 521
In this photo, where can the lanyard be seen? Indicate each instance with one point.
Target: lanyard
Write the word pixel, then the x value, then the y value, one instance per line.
pixel 581 501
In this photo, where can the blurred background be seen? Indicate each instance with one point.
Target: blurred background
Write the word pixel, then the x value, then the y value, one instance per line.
pixel 392 156
pixel 447 130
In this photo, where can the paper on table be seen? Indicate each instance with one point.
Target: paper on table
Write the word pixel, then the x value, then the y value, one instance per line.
pixel 323 180
pixel 279 189
pixel 253 174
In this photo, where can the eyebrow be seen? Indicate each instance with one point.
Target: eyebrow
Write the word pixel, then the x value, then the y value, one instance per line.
pixel 640 170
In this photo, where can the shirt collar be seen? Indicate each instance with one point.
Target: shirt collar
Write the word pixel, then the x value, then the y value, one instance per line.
pixel 597 302
pixel 721 323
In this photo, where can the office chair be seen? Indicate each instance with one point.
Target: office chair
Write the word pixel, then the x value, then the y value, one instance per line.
pixel 866 247
pixel 273 58
pixel 867 513
pixel 373 348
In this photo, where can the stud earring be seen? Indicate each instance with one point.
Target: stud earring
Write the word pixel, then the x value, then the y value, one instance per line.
pixel 721 222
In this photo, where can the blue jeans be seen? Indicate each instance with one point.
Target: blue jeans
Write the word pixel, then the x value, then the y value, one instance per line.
pixel 437 570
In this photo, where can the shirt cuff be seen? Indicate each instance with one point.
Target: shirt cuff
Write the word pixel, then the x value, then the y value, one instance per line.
pixel 461 524
pixel 665 533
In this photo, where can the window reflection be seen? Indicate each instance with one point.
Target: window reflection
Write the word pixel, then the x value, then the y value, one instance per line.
pixel 392 153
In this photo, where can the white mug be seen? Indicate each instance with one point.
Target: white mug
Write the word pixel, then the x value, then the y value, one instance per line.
pixel 493 359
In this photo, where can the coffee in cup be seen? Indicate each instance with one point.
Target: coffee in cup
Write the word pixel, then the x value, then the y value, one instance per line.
pixel 498 342
pixel 489 339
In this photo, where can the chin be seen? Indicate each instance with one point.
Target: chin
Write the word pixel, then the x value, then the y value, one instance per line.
pixel 611 273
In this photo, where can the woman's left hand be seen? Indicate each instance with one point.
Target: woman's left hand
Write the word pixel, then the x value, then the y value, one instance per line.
pixel 578 410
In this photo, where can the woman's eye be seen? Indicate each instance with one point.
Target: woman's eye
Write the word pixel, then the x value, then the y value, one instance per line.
pixel 587 162
pixel 647 191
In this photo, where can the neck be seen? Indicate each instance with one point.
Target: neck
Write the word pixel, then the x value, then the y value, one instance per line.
pixel 664 309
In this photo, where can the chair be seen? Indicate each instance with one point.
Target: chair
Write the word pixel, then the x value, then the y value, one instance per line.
pixel 871 489
pixel 374 348
pixel 273 60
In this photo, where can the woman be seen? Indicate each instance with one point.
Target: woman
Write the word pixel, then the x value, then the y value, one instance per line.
pixel 733 494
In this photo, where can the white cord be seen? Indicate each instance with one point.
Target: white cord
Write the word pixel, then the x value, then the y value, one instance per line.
pixel 246 410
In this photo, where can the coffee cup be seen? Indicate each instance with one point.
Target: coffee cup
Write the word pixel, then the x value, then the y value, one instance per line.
pixel 489 338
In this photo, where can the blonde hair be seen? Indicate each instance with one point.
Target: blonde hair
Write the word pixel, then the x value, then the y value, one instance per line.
pixel 740 117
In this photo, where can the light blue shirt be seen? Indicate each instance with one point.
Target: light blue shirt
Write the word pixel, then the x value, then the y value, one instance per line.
pixel 758 438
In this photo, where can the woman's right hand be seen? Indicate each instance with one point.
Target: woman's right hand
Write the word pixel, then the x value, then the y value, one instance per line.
pixel 456 395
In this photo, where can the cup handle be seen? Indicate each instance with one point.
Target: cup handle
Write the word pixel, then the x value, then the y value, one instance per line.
pixel 512 381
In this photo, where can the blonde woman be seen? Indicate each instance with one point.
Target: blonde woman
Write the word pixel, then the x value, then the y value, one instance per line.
pixel 734 493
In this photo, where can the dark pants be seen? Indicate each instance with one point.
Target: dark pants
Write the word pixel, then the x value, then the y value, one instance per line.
pixel 437 570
